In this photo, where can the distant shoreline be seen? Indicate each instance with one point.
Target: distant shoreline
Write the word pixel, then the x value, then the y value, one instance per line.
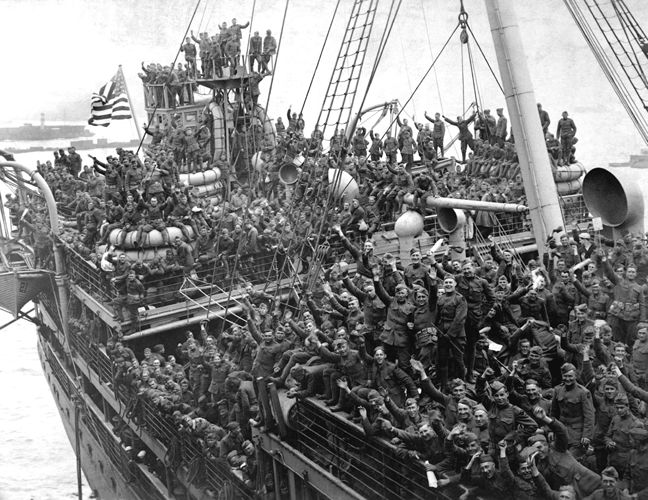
pixel 80 145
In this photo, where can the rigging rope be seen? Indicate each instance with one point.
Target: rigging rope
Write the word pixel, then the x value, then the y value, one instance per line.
pixel 274 66
pixel 319 59
pixel 436 78
pixel 423 77
pixel 490 68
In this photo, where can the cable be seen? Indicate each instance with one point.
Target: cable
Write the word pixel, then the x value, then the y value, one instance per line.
pixel 436 78
pixel 423 78
pixel 485 59
pixel 328 32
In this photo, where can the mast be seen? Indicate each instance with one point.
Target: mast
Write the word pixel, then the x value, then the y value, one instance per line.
pixel 542 197
pixel 130 100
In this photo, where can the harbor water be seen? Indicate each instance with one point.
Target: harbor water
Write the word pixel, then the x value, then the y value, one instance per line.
pixel 36 458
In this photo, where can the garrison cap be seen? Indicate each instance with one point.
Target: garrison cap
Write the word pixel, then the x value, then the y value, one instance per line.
pixel 497 386
pixel 567 367
pixel 610 472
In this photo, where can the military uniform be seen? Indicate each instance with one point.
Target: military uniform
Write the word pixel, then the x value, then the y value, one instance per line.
pixel 573 407
pixel 627 308
pixel 452 310
pixel 396 334
pixel 619 434
pixel 479 297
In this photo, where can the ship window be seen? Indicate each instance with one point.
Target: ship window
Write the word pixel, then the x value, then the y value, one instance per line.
pixel 190 117
pixel 101 467
pixel 67 412
pixel 90 450
pixel 114 484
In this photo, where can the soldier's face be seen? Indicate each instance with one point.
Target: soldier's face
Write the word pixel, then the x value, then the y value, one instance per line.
pixel 463 412
pixel 532 392
pixel 411 408
pixel 569 378
pixel 525 471
pixel 501 397
pixel 487 469
pixel 459 392
pixel 379 357
pixel 610 392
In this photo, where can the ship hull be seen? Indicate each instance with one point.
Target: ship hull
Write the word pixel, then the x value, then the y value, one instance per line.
pixel 104 477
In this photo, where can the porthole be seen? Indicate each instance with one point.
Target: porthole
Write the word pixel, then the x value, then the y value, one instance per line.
pixel 90 450
pixel 101 467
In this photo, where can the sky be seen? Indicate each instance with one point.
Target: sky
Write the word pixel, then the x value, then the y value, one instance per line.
pixel 60 51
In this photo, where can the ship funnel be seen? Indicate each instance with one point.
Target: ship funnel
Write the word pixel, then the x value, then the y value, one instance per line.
pixel 616 197
pixel 288 174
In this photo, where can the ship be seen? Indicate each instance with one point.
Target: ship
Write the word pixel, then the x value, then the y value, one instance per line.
pixel 125 447
pixel 43 132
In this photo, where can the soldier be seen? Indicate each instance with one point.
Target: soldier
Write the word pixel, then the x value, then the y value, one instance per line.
pixel 465 136
pixel 566 131
pixel 577 327
pixel 501 129
pixel 391 147
pixel 452 310
pixel 376 147
pixel 609 479
pixel 189 50
pixel 255 52
pixel 544 119
pixel 572 405
pixel 346 363
pixel 617 440
pixel 400 311
pixel 503 416
pixel 636 470
pixel 269 50
pixel 438 133
pixel 204 45
pixel 479 298
pixel 628 305
pixel 556 463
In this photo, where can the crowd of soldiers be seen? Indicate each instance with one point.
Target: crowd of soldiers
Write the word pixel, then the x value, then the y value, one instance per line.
pixel 514 380
pixel 526 380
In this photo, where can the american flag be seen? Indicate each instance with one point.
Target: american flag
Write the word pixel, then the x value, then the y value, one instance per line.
pixel 111 102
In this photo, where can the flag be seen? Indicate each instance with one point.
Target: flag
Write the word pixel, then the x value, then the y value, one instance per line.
pixel 111 102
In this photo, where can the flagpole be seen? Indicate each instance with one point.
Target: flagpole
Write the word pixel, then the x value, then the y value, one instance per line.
pixel 130 100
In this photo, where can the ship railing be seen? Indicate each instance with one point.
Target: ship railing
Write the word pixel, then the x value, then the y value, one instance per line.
pixel 165 96
pixel 216 475
pixel 93 356
pixel 86 274
pixel 369 465
pixel 57 370
pixel 120 457
pixel 243 62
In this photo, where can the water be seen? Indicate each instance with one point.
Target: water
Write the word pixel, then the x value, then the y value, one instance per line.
pixel 36 459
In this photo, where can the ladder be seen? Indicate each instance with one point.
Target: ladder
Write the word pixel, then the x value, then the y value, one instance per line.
pixel 343 85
